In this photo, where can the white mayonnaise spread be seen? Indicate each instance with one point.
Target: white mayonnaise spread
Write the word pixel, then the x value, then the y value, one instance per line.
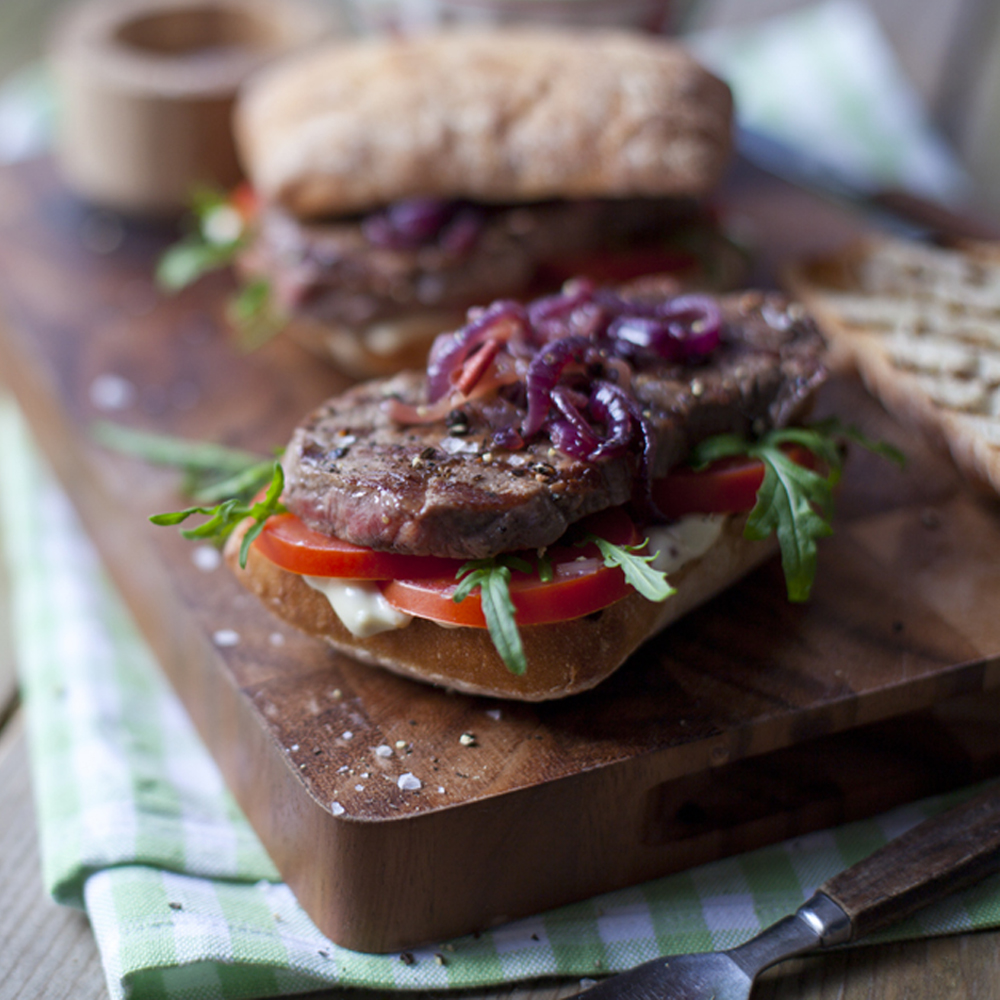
pixel 684 540
pixel 359 604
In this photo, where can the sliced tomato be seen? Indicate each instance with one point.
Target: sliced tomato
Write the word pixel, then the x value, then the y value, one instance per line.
pixel 244 199
pixel 624 265
pixel 580 584
pixel 728 486
pixel 294 546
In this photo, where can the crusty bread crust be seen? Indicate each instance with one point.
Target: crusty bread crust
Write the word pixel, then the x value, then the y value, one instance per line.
pixel 516 114
pixel 563 659
pixel 921 325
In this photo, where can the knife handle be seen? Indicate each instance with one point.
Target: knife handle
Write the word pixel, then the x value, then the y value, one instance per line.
pixel 937 857
pixel 943 222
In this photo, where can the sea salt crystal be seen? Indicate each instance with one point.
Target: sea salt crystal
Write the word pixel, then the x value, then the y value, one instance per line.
pixel 458 446
pixel 359 788
pixel 493 713
pixel 408 782
pixel 347 735
pixel 226 637
pixel 383 751
pixel 337 809
pixel 112 392
pixel 276 639
pixel 206 558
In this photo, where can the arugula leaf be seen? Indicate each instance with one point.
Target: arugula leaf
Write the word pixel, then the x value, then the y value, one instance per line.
pixel 650 582
pixel 185 262
pixel 492 576
pixel 793 502
pixel 796 504
pixel 545 571
pixel 165 449
pixel 225 516
pixel 252 313
pixel 219 234
pixel 832 427
pixel 213 471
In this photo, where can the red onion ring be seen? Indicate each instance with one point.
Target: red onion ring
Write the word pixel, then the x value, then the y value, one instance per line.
pixel 543 374
pixel 570 433
pixel 680 330
pixel 501 321
pixel 614 408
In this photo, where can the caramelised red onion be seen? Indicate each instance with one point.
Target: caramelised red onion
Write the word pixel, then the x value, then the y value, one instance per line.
pixel 601 337
pixel 461 232
pixel 543 374
pixel 604 393
pixel 500 321
pixel 507 438
pixel 562 303
pixel 407 224
pixel 614 408
pixel 609 404
pixel 570 432
pixel 681 330
pixel 416 222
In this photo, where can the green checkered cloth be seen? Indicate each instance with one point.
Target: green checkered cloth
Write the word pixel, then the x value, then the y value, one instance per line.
pixel 137 827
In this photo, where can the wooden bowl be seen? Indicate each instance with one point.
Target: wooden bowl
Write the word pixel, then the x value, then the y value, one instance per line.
pixel 146 90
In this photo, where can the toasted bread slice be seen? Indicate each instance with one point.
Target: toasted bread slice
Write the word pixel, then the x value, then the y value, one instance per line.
pixel 921 324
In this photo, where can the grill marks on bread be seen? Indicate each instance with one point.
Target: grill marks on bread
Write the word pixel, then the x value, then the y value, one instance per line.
pixel 922 326
pixel 354 473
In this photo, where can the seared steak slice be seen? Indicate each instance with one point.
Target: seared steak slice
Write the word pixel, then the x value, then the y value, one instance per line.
pixel 334 273
pixel 353 472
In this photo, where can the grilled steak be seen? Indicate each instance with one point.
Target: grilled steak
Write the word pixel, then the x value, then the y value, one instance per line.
pixel 355 272
pixel 446 489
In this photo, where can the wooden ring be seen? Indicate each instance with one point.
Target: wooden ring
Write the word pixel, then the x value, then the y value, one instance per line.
pixel 146 90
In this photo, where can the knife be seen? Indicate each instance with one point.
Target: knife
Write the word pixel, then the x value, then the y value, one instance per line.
pixel 903 212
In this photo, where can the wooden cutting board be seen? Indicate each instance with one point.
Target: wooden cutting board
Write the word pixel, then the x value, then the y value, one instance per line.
pixel 749 721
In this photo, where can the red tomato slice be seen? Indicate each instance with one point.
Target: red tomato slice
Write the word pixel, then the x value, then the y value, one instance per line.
pixel 580 585
pixel 244 199
pixel 728 486
pixel 289 543
pixel 624 265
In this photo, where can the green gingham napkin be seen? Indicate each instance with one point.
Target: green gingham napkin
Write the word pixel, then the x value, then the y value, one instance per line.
pixel 137 827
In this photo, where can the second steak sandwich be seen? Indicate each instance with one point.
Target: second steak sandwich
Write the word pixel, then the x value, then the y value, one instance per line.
pixel 397 182
pixel 562 481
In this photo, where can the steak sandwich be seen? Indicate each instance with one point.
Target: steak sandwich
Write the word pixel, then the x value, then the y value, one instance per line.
pixel 397 182
pixel 560 482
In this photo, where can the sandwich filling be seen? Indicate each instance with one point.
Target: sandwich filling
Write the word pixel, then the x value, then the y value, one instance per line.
pixel 429 254
pixel 553 459
pixel 531 418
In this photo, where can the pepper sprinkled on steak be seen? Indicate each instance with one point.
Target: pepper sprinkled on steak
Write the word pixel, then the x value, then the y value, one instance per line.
pixel 532 417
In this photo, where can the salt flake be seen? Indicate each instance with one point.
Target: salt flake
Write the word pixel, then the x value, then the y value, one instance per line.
pixel 226 637
pixel 206 558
